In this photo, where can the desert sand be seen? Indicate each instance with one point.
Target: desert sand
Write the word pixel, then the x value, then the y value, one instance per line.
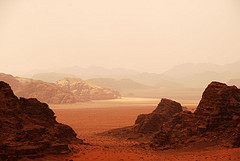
pixel 90 118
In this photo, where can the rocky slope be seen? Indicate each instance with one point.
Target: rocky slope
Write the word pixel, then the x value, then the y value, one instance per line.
pixel 62 92
pixel 216 121
pixel 29 128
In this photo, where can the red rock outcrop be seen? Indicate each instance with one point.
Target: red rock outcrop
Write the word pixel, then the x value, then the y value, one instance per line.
pixel 146 125
pixel 29 128
pixel 216 121
pixel 70 90
pixel 149 123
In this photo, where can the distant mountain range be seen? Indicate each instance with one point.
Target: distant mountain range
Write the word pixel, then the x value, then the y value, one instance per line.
pixel 181 79
pixel 98 72
pixel 68 90
pixel 121 84
pixel 130 88
pixel 52 76
pixel 148 79
pixel 187 75
pixel 198 75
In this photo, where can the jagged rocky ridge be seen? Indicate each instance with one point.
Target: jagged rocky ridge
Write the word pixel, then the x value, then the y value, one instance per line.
pixel 29 128
pixel 68 90
pixel 216 121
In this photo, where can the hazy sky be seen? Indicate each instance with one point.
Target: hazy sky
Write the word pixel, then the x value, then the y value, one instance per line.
pixel 146 35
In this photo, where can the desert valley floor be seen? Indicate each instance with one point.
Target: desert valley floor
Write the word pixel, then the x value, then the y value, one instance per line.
pixel 88 119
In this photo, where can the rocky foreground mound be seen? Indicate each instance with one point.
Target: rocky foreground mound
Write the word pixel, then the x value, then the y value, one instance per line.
pixel 149 123
pixel 29 128
pixel 216 121
pixel 146 125
pixel 69 90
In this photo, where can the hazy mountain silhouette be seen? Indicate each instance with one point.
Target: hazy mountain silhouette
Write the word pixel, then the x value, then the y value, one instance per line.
pixel 188 75
pixel 177 82
pixel 96 72
pixel 118 84
pixel 198 75
pixel 52 76
pixel 184 70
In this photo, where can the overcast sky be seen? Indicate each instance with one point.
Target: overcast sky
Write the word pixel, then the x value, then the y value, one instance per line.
pixel 145 35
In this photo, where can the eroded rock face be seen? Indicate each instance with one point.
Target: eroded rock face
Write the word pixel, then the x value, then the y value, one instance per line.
pixel 215 121
pixel 87 91
pixel 219 100
pixel 71 90
pixel 28 128
pixel 149 123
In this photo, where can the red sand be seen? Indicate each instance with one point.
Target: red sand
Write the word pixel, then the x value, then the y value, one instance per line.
pixel 87 122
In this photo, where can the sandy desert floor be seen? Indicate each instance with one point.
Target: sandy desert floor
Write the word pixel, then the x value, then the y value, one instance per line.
pixel 90 118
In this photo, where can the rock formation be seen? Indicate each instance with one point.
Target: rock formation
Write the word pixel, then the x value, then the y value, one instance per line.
pixel 87 91
pixel 29 128
pixel 216 121
pixel 149 123
pixel 146 125
pixel 64 91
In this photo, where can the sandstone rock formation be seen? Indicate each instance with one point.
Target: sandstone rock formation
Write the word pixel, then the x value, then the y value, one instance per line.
pixel 29 128
pixel 149 123
pixel 87 91
pixel 62 92
pixel 216 121
pixel 146 125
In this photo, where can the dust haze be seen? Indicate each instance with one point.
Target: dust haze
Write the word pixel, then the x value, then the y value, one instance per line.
pixel 130 78
pixel 147 36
